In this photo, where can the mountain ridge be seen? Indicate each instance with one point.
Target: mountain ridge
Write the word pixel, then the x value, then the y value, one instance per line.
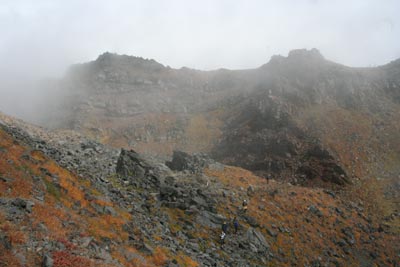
pixel 303 53
pixel 155 109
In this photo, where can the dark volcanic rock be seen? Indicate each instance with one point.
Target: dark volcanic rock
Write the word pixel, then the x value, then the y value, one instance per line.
pixel 271 143
pixel 131 163
pixel 132 166
pixel 47 261
pixel 183 161
pixel 23 204
pixel 5 241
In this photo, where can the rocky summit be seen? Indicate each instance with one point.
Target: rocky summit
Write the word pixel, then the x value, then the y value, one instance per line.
pixel 294 163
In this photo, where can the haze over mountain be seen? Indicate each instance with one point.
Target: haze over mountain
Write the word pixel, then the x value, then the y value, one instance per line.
pixel 319 140
pixel 264 119
pixel 125 158
pixel 41 39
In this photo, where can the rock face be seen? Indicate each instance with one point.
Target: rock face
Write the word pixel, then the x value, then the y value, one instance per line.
pixel 132 165
pixel 136 170
pixel 273 144
pixel 183 161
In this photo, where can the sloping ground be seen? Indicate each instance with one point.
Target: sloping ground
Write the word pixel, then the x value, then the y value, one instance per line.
pixel 148 217
pixel 312 227
pixel 48 212
pixel 368 147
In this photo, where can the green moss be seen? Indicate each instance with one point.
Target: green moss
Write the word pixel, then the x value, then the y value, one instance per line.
pixel 95 192
pixel 52 189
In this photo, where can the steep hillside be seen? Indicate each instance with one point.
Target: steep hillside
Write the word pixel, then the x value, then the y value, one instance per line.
pixel 347 117
pixel 135 211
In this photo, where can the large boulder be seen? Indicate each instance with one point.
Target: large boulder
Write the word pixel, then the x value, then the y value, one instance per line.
pixel 136 169
pixel 182 161
pixel 130 163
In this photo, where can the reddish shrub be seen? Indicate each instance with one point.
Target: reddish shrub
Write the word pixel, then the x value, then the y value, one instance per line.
pixel 65 259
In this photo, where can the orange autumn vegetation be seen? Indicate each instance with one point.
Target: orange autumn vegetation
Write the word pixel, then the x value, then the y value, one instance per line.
pixel 8 259
pixel 51 217
pixel 107 226
pixel 69 182
pixel 159 258
pixel 15 235
pixel 201 133
pixel 236 177
pixel 309 235
pixel 186 261
pixel 57 213
pixel 66 259
pixel 11 165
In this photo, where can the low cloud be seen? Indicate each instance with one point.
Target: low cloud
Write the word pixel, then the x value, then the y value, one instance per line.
pixel 42 38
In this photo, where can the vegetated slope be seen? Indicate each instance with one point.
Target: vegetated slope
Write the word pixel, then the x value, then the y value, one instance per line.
pixel 137 212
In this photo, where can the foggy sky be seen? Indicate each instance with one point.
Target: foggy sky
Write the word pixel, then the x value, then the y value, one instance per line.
pixel 41 38
pixel 45 36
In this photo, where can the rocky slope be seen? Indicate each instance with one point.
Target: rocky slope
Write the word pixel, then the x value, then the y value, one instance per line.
pixel 68 201
pixel 299 118
pixel 311 118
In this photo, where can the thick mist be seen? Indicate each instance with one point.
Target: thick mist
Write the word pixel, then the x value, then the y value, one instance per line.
pixel 40 39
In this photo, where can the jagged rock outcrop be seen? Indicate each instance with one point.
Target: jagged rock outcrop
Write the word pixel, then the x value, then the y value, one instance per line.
pixel 131 165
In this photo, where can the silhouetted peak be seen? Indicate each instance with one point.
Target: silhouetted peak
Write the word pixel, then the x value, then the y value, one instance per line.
pixel 108 58
pixel 305 54
pixel 297 57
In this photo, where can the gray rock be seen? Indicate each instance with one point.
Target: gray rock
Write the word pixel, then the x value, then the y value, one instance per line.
pixel 272 232
pixel 250 220
pixel 5 241
pixel 23 204
pixel 210 219
pixel 169 193
pixel 170 180
pixel 5 179
pixel 256 240
pixel 138 170
pixel 250 190
pixel 315 210
pixel 199 201
pixel 216 166
pixel 182 161
pixel 85 242
pixel 47 261
pixel 129 256
pixel 349 235
pixel 110 211
pixel 147 249
pixel 21 258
